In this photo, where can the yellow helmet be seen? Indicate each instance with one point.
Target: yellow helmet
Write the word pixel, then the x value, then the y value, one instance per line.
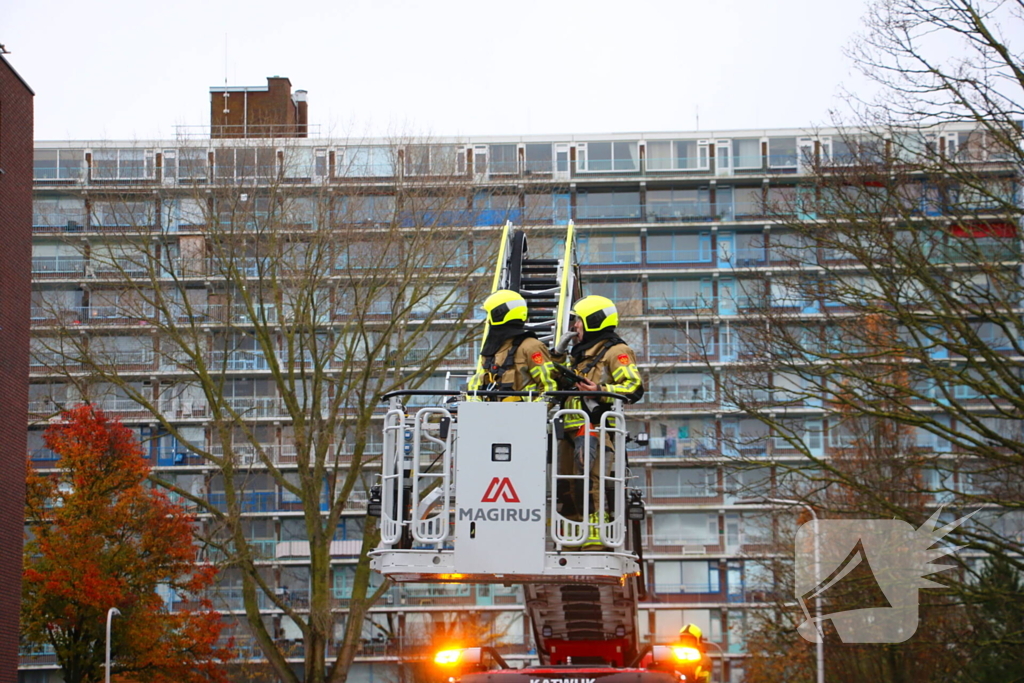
pixel 691 630
pixel 504 306
pixel 596 312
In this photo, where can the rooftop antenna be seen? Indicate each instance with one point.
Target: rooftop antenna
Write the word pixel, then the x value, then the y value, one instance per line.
pixel 696 110
pixel 226 110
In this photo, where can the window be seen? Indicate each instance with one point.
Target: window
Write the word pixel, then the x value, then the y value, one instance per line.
pixel 676 155
pixel 750 248
pixel 682 437
pixel 126 214
pixel 192 164
pixel 741 201
pixel 365 162
pixel 685 528
pixel 504 159
pixel 746 153
pixel 600 249
pixel 601 205
pixel 496 209
pixel 608 156
pixel 782 153
pixel 686 577
pixel 753 482
pixel 744 438
pixel 66 214
pixel 626 295
pixel 437 301
pixel 122 164
pixel 675 205
pixel 435 160
pixel 682 343
pixel 676 295
pixel 320 163
pixel 684 387
pixel 364 210
pixel 685 482
pixel 244 163
pixel 58 164
pixel 679 248
pixel 537 156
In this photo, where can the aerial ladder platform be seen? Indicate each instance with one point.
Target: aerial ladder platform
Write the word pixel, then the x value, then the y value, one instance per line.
pixel 471 491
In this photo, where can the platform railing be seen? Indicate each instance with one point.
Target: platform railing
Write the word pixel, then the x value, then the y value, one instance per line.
pixel 392 484
pixel 431 515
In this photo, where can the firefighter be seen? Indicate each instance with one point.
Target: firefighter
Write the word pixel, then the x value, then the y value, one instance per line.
pixel 608 364
pixel 691 636
pixel 512 358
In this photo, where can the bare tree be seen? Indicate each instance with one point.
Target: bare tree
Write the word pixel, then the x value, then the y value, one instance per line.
pixel 255 322
pixel 882 351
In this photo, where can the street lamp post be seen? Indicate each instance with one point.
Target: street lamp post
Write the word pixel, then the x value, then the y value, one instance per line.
pixel 820 645
pixel 110 616
pixel 721 654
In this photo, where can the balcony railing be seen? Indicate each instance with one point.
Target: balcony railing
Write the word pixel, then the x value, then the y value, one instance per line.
pixel 679 256
pixel 257 406
pixel 58 266
pixel 239 360
pixel 247 501
pixel 608 212
pixel 662 212
pixel 682 303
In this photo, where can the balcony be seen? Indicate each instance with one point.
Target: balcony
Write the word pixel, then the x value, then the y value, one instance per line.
pixel 239 360
pixel 686 397
pixel 679 212
pixel 58 267
pixel 745 257
pixel 256 407
pixel 247 501
pixel 43 457
pixel 65 221
pixel 139 359
pixel 116 315
pixel 179 408
pixel 701 303
pixel 121 407
pixel 608 212
pixel 679 256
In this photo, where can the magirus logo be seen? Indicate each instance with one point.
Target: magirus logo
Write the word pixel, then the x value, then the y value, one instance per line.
pixel 500 486
pixel 858 557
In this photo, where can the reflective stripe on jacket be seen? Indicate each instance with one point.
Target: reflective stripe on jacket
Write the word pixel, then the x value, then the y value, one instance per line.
pixel 531 370
pixel 615 372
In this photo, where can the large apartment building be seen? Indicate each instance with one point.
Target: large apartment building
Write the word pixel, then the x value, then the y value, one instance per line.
pixel 671 226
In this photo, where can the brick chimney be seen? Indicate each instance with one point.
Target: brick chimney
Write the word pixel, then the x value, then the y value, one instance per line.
pixel 259 112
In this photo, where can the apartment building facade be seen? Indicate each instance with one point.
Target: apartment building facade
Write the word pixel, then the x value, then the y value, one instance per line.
pixel 671 227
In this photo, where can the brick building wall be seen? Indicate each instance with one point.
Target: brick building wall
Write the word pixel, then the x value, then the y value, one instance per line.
pixel 16 100
pixel 255 112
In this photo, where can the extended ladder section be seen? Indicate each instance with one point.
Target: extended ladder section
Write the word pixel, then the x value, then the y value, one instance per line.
pixel 475 491
pixel 548 284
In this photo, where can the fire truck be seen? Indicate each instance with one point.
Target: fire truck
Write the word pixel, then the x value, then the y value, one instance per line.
pixel 471 492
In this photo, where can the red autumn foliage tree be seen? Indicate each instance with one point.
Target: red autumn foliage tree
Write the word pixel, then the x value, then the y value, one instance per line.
pixel 99 537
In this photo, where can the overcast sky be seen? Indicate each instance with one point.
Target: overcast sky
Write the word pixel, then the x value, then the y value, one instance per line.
pixel 130 69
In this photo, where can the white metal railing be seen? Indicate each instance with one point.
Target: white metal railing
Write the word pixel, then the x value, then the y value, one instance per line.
pixel 392 503
pixel 613 530
pixel 432 515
